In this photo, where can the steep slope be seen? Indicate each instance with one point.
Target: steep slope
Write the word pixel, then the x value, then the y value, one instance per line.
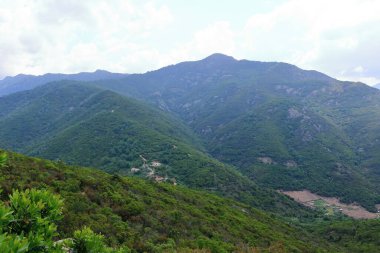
pixel 22 82
pixel 87 126
pixel 338 121
pixel 286 146
pixel 145 215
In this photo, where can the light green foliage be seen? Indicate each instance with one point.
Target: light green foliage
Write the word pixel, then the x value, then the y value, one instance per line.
pixel 86 241
pixel 28 221
pixel 3 159
pixel 34 215
pixel 28 225
pixel 13 244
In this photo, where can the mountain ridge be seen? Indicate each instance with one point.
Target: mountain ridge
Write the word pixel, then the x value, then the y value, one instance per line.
pixel 209 96
pixel 21 82
pixel 310 119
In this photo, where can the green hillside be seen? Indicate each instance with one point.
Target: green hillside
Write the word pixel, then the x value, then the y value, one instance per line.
pixel 246 110
pixel 87 126
pixel 148 216
pixel 287 146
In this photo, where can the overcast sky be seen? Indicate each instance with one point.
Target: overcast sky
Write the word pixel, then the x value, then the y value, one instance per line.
pixel 337 37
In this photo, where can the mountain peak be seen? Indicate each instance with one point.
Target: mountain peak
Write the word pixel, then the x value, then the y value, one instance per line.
pixel 219 58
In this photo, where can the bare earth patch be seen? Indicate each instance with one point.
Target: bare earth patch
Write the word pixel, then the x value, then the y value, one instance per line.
pixel 310 199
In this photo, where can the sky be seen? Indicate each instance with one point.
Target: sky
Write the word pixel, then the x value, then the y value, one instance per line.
pixel 338 37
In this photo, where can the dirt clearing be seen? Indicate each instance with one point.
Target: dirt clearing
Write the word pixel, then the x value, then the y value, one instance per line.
pixel 331 204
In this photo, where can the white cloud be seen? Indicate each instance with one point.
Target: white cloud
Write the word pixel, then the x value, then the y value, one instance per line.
pixel 330 36
pixel 339 37
pixel 358 69
pixel 70 36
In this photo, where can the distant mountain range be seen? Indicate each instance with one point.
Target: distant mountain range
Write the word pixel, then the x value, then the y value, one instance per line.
pixel 219 124
pixel 22 82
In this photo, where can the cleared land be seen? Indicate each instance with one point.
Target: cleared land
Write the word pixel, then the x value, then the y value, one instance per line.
pixel 331 204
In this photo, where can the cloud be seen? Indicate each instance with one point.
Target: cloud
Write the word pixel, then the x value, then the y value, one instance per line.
pixel 216 37
pixel 70 36
pixel 339 37
pixel 331 36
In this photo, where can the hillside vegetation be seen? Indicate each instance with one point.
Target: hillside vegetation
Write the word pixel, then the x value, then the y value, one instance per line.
pixel 149 216
pixel 320 133
pixel 87 126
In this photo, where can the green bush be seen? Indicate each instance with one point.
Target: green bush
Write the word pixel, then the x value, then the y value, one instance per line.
pixel 87 241
pixel 13 244
pixel 27 223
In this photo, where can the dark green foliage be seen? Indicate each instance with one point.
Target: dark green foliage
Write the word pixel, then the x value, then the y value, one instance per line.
pixel 294 140
pixel 87 126
pixel 148 216
pixel 356 236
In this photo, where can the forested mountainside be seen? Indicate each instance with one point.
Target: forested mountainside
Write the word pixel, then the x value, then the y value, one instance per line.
pixel 23 82
pixel 279 125
pixel 149 216
pixel 274 121
pixel 87 126
pixel 222 126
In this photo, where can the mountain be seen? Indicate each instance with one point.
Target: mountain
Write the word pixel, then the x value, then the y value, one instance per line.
pixel 88 126
pixel 22 82
pixel 282 126
pixel 377 86
pixel 150 216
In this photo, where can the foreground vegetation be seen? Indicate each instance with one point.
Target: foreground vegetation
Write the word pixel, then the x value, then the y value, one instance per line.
pixel 150 217
pixel 27 224
pixel 99 209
